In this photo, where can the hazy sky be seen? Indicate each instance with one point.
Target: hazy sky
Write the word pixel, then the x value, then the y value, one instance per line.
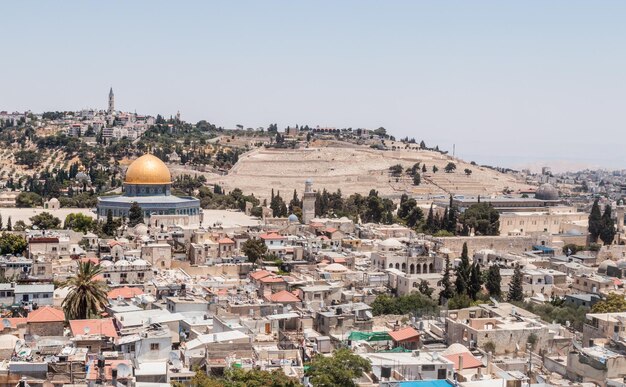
pixel 509 82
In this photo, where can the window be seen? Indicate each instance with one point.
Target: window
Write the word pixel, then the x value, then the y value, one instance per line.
pixel 154 346
pixel 428 367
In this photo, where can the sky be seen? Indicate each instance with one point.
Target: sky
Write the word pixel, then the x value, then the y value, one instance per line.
pixel 510 83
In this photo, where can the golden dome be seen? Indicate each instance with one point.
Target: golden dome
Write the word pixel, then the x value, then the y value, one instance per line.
pixel 148 169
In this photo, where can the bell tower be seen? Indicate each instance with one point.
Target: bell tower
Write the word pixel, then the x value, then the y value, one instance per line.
pixel 308 202
pixel 111 101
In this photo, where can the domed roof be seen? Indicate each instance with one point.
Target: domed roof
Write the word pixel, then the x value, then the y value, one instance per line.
pixel 140 262
pixel 53 200
pixel 293 218
pixel 148 169
pixel 141 229
pixel 106 263
pixel 547 192
pixel 604 265
pixel 122 262
pixel 392 243
pixel 621 263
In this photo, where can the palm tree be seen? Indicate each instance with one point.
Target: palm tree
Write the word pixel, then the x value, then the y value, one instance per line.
pixel 87 295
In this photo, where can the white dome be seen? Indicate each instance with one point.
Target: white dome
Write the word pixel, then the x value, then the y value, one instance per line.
pixel 604 265
pixel 53 201
pixel 122 263
pixel 106 263
pixel 140 262
pixel 293 218
pixel 392 243
pixel 141 229
pixel 336 267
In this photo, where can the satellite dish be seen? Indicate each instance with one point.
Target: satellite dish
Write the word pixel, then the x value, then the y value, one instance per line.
pixel 123 371
pixel 6 323
pixel 86 330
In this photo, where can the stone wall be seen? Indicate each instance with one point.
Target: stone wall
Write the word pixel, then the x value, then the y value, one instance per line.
pixel 511 244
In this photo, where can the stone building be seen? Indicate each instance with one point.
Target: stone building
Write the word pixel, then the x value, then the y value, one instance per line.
pixel 507 328
pixel 148 183
pixel 308 202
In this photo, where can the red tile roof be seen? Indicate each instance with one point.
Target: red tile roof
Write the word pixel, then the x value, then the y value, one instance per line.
pixel 103 326
pixel 45 314
pixel 15 321
pixel 284 296
pixel 469 361
pixel 272 279
pixel 272 235
pixel 257 275
pixel 125 292
pixel 93 260
pixel 404 334
pixel 225 241
pixel 339 260
pixel 331 230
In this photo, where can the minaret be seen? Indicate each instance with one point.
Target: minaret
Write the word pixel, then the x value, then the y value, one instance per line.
pixel 111 101
pixel 308 202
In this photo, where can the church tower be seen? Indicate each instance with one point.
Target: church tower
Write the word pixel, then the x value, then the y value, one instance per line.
pixel 308 202
pixel 111 101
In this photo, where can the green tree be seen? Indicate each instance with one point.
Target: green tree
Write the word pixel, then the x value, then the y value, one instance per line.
pixel 417 179
pixel 340 369
pixel 493 281
pixel 482 218
pixel 12 244
pixel 613 303
pixel 595 222
pixel 607 228
pixel 450 167
pixel 45 221
pixel 87 295
pixel 28 199
pixel 79 222
pixel 254 249
pixel 9 224
pixel 425 288
pixel 109 225
pixel 463 272
pixel 475 282
pixel 435 169
pixel 446 292
pixel 236 377
pixel 135 215
pixel 516 291
pixel 19 226
pixel 468 171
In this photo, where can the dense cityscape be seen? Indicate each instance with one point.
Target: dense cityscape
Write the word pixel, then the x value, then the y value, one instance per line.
pixel 131 256
pixel 313 194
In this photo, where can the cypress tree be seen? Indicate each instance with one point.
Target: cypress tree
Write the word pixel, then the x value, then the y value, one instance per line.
pixel 108 226
pixel 463 272
pixel 475 282
pixel 595 222
pixel 9 225
pixel 607 229
pixel 135 215
pixel 516 292
pixel 447 292
pixel 493 281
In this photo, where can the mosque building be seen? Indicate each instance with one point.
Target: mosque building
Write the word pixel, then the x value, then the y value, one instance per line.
pixel 148 182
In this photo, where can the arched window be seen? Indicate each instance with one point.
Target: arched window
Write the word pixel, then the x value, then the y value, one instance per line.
pixel 403 266
pixel 412 269
pixel 397 266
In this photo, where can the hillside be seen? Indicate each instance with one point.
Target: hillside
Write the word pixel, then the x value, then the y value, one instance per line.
pixel 357 169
